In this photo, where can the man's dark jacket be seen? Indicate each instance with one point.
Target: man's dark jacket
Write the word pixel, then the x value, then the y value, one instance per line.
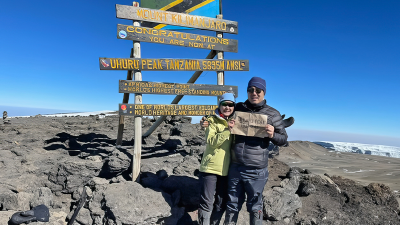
pixel 253 151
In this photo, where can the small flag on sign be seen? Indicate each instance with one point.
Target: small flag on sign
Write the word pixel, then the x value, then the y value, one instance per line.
pixel 208 8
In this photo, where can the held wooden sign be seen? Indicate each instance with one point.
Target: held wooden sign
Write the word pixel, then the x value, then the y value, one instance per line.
pixel 250 124
pixel 173 64
pixel 145 87
pixel 165 110
pixel 178 19
pixel 129 32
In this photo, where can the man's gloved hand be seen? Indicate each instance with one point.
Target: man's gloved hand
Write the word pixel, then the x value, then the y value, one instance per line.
pixel 288 122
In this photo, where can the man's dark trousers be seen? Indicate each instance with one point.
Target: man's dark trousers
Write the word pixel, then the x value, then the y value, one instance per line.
pixel 245 179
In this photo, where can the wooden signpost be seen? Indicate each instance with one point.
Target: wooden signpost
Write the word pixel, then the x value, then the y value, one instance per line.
pixel 151 35
pixel 136 64
pixel 173 64
pixel 177 19
pixel 145 87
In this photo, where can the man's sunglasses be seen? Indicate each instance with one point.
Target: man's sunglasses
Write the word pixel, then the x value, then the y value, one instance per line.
pixel 230 104
pixel 251 90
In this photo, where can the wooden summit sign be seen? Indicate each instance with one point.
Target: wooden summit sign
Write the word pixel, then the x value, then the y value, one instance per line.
pixel 166 110
pixel 178 19
pixel 129 32
pixel 173 64
pixel 145 87
pixel 171 13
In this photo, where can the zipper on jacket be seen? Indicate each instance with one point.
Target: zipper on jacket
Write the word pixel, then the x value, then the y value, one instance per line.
pixel 244 142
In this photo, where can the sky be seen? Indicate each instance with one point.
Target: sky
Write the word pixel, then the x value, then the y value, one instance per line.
pixel 332 65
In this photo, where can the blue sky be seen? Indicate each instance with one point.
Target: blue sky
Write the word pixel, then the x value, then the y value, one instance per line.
pixel 333 65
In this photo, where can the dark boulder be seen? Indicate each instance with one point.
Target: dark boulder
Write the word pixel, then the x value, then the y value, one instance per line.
pixel 305 188
pixel 189 167
pixel 189 188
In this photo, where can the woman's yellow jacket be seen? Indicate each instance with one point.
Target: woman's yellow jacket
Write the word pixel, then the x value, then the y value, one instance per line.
pixel 217 156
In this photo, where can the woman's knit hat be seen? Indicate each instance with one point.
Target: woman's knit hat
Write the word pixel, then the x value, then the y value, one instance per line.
pixel 227 97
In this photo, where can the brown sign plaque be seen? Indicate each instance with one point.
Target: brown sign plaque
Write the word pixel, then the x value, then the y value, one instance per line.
pixel 166 110
pixel 174 64
pixel 129 32
pixel 145 87
pixel 178 19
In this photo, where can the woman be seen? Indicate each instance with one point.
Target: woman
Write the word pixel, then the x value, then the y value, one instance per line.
pixel 215 162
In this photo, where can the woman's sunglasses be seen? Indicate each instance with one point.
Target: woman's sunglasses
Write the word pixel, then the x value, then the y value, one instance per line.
pixel 251 90
pixel 230 104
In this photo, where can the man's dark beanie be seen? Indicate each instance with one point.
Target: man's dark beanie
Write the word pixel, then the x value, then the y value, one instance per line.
pixel 257 82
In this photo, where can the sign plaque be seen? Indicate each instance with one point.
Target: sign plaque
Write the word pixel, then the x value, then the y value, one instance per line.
pixel 145 34
pixel 177 19
pixel 174 64
pixel 145 87
pixel 165 110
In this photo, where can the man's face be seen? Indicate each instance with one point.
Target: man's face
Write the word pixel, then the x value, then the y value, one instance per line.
pixel 253 96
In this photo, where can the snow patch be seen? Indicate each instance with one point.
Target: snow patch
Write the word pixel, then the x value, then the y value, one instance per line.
pixel 101 114
pixel 368 149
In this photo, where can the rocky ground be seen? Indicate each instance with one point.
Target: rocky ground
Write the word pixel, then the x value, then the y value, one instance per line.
pixel 362 168
pixel 50 160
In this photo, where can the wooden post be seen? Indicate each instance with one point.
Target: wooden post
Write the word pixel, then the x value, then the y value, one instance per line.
pixel 122 118
pixel 137 150
pixel 220 55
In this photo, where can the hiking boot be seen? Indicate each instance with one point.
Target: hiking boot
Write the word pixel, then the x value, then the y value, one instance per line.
pixel 231 218
pixel 216 217
pixel 256 218
pixel 204 217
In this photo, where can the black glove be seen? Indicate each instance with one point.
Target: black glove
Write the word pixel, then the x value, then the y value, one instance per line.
pixel 288 122
pixel 18 218
pixel 39 213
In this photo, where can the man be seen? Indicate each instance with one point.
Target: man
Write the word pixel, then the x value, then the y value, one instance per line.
pixel 248 172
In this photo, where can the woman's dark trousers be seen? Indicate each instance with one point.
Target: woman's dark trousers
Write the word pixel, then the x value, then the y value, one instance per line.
pixel 213 198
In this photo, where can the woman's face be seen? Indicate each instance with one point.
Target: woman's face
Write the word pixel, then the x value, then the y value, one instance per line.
pixel 226 108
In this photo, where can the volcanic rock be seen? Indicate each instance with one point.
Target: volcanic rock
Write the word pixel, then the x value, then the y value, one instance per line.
pixel 130 203
pixel 50 160
pixel 189 167
pixel 117 163
pixel 281 202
